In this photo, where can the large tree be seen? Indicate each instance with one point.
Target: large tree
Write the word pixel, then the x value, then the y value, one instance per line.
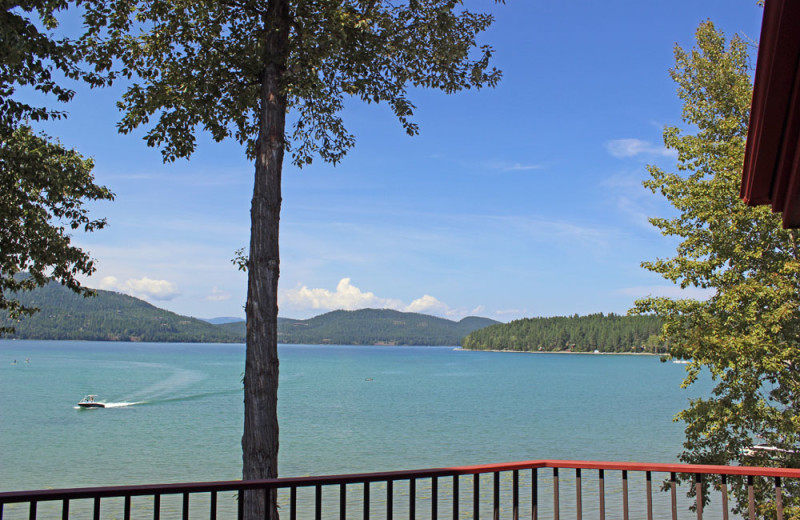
pixel 236 69
pixel 746 335
pixel 43 185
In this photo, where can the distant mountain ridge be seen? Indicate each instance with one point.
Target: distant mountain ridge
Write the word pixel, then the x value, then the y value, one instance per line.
pixel 222 320
pixel 374 327
pixel 111 316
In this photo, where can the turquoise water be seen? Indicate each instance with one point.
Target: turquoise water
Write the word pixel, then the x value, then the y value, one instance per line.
pixel 177 412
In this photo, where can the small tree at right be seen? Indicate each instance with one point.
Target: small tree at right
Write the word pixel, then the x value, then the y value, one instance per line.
pixel 746 334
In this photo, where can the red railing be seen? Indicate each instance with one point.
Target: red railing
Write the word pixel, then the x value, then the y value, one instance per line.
pixel 512 490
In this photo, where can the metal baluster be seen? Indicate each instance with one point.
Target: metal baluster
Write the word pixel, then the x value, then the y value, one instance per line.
pixel 724 497
pixel 412 507
pixel 535 494
pixel 293 503
pixel 342 501
pixel 751 499
pixel 496 507
pixel 318 502
pixel 602 490
pixel 578 497
pixel 32 510
pixel 555 494
pixel 698 491
pixel 96 508
pixel 674 494
pixel 389 499
pixel 435 498
pixel 157 506
pixel 186 507
pixel 366 500
pixel 625 494
pixel 212 513
pixel 455 497
pixel 649 477
pixel 515 499
pixel 127 507
pixel 476 497
pixel 778 498
pixel 64 510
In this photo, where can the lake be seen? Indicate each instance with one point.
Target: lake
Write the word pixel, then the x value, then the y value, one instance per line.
pixel 178 410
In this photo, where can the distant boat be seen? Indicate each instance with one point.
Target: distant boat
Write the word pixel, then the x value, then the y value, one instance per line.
pixel 90 401
pixel 681 361
pixel 751 451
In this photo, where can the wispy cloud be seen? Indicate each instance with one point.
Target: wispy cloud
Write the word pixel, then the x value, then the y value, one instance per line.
pixel 668 291
pixel 507 166
pixel 624 148
pixel 631 198
pixel 504 313
pixel 218 295
pixel 146 288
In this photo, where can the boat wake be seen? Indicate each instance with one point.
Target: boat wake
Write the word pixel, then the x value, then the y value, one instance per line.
pixel 197 396
pixel 123 404
pixel 178 380
pixel 169 389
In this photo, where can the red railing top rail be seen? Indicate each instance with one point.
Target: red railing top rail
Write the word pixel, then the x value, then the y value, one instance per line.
pixel 284 482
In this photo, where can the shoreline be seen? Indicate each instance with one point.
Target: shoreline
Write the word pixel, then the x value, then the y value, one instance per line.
pixel 507 351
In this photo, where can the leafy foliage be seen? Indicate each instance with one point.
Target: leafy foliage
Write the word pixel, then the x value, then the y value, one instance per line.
pixel 31 56
pixel 747 333
pixel 43 185
pixel 41 201
pixel 235 69
pixel 606 333
pixel 202 64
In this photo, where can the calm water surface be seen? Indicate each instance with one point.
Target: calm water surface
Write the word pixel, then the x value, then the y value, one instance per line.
pixel 177 412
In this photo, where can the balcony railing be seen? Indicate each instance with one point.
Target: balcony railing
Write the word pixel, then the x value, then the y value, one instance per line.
pixel 539 489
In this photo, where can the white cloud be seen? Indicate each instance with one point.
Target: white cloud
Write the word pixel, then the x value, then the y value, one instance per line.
pixel 346 296
pixel 349 297
pixel 217 295
pixel 633 147
pixel 146 288
pixel 428 305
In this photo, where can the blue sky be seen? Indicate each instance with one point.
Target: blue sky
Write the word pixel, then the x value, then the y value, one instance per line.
pixel 519 201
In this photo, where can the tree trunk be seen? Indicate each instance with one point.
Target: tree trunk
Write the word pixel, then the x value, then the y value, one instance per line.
pixel 260 439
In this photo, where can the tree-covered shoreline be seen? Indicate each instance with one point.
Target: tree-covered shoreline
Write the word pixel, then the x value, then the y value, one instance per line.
pixel 604 333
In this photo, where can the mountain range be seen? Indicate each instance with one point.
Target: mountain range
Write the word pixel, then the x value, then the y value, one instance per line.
pixel 111 316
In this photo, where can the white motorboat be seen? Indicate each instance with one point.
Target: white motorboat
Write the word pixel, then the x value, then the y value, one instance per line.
pixel 90 401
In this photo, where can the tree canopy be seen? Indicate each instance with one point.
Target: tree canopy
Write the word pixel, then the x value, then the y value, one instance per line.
pixel 201 65
pixel 594 332
pixel 43 185
pixel 235 69
pixel 746 333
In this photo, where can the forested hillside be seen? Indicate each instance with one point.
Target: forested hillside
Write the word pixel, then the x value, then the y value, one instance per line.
pixel 109 316
pixel 373 327
pixel 605 333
